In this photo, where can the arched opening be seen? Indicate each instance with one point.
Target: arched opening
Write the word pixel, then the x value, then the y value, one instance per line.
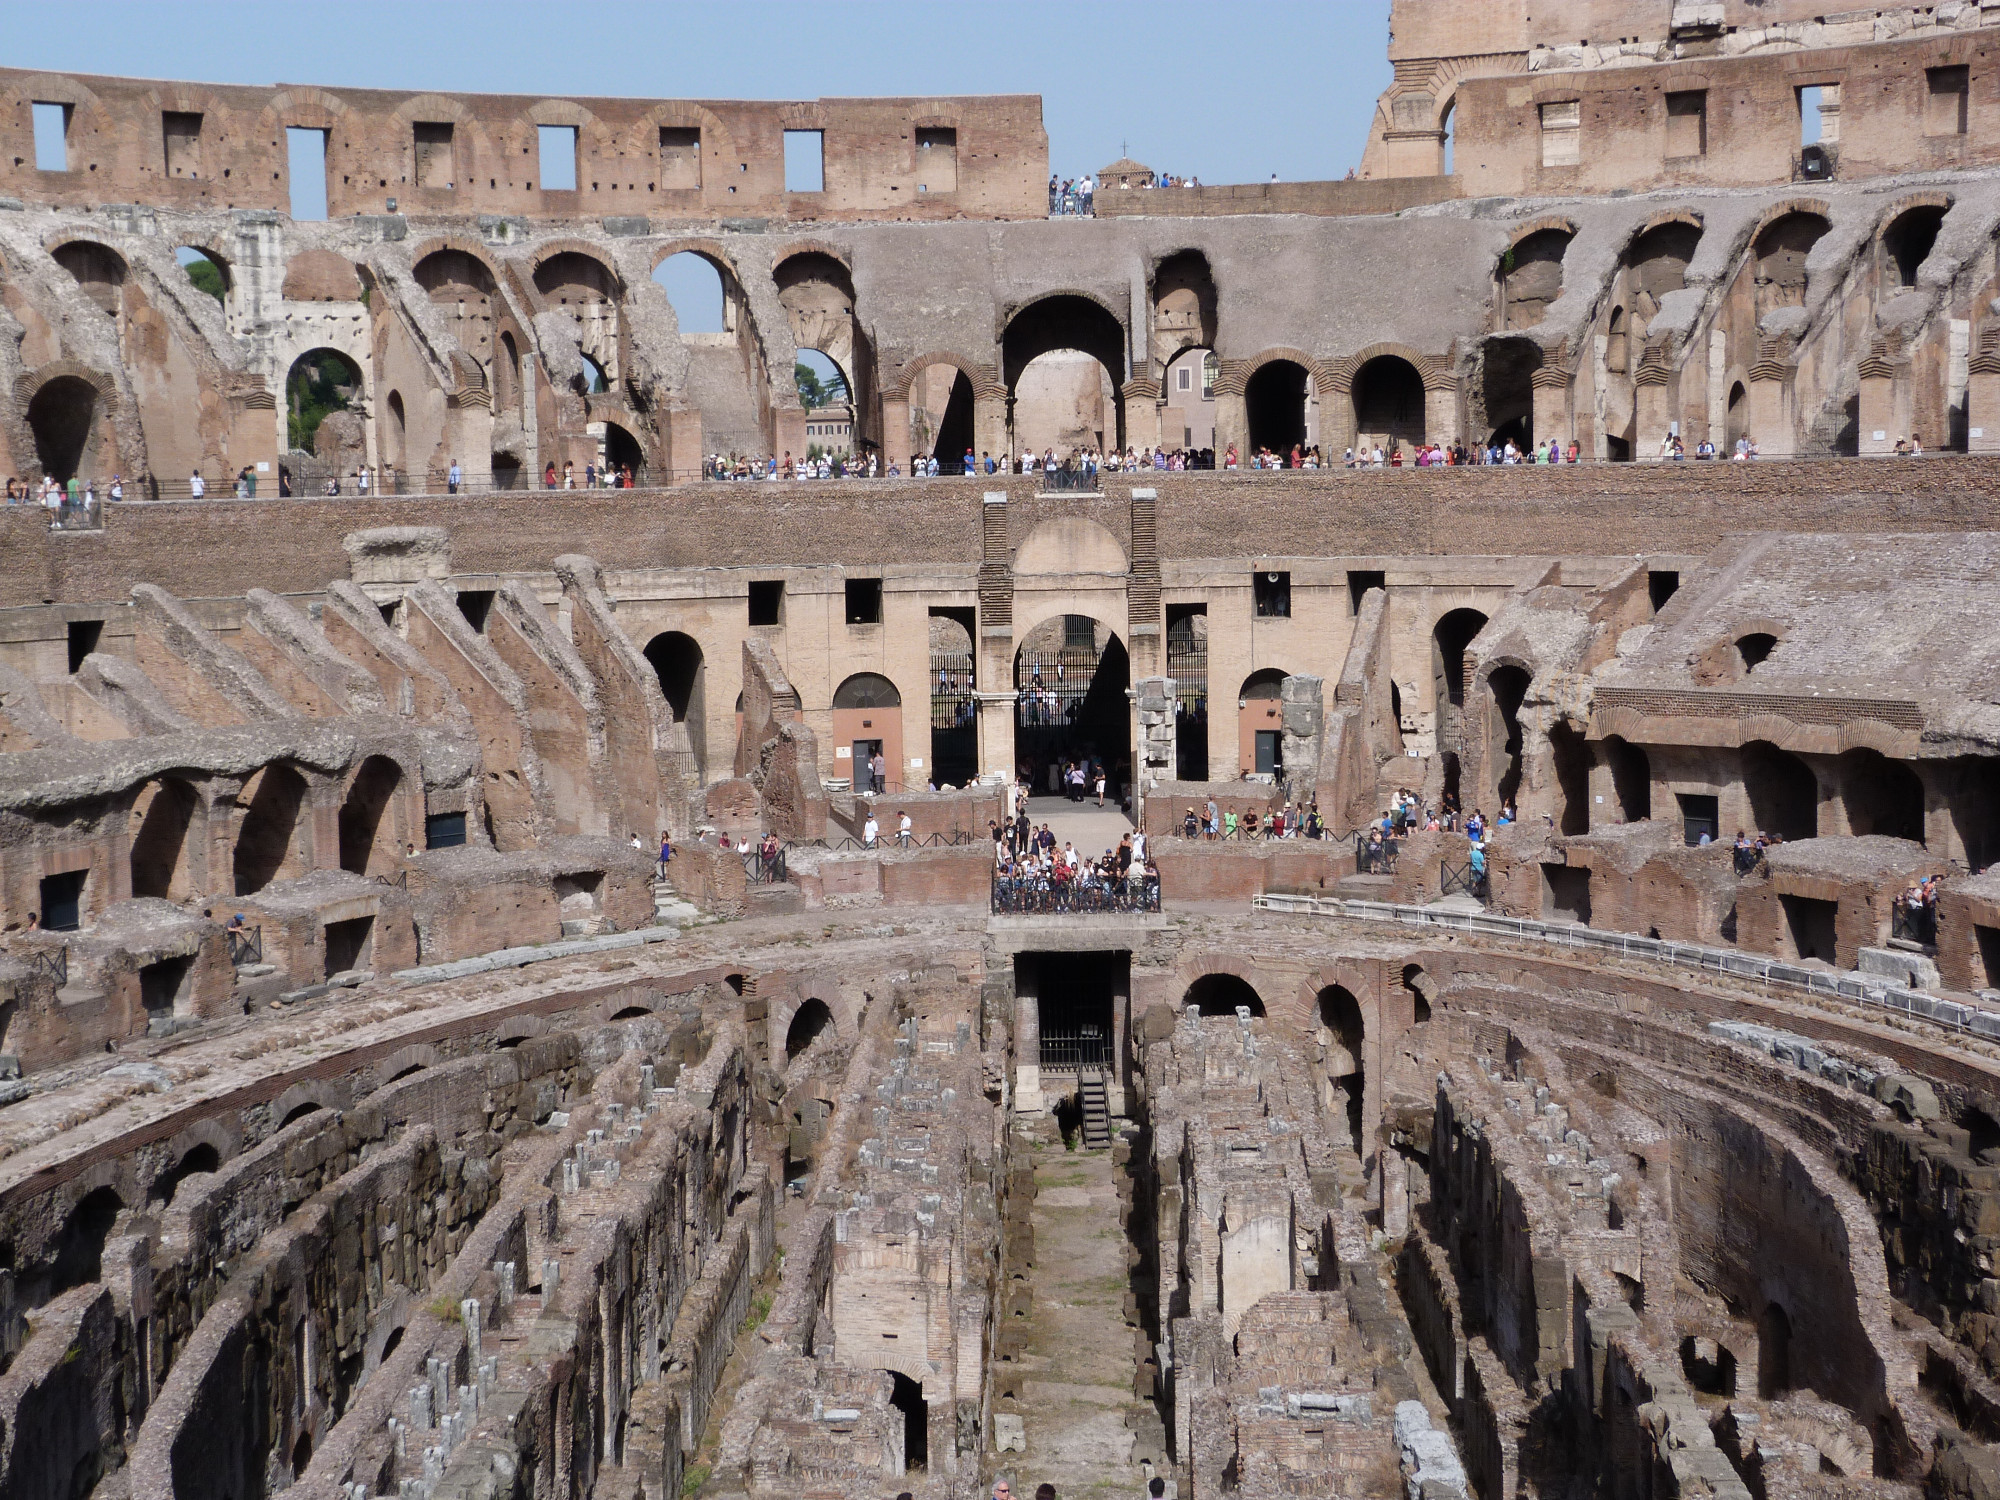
pixel 264 842
pixel 1656 264
pixel 1450 637
pixel 462 290
pixel 1736 419
pixel 693 284
pixel 1780 254
pixel 677 662
pixel 1187 664
pixel 1907 243
pixel 207 271
pixel 1070 678
pixel 507 380
pixel 302 1450
pixel 586 291
pixel 907 1396
pixel 78 1253
pixel 299 1111
pixel 868 721
pixel 1507 386
pixel 1184 320
pixel 1709 1367
pixel 1571 759
pixel 396 438
pixel 1753 650
pixel 200 1158
pixel 1509 686
pixel 1064 321
pixel 1260 723
pixel 1420 988
pixel 1881 796
pixel 1531 277
pixel 1774 1352
pixel 98 269
pixel 63 418
pixel 629 1013
pixel 1388 404
pixel 320 383
pixel 1631 779
pixel 162 817
pixel 1342 1036
pixel 622 452
pixel 1223 995
pixel 817 295
pixel 1783 792
pixel 1975 812
pixel 1274 405
pixel 825 394
pixel 941 418
pixel 367 837
pixel 1448 128
pixel 808 1021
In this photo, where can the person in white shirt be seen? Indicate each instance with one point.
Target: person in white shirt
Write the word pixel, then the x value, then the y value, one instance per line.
pixel 1138 848
pixel 903 829
pixel 117 487
pixel 870 831
pixel 196 489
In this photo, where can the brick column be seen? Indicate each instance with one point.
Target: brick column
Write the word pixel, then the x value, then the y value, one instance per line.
pixel 994 649
pixel 1140 401
pixel 1982 394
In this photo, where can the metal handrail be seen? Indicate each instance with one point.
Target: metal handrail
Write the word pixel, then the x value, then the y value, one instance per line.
pixel 1037 898
pixel 1914 924
pixel 55 965
pixel 1375 859
pixel 1461 880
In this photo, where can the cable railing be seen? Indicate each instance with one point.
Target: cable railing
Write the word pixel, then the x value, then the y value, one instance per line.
pixel 55 965
pixel 1914 924
pixel 246 946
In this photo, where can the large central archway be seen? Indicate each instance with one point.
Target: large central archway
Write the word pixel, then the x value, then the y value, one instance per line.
pixel 1064 321
pixel 1072 674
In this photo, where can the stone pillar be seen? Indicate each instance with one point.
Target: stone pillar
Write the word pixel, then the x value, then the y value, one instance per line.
pixel 1028 1097
pixel 789 424
pixel 989 418
pixel 1155 736
pixel 1440 409
pixel 896 432
pixel 1982 394
pixel 682 429
pixel 1770 417
pixel 1336 413
pixel 1878 429
pixel 1141 404
pixel 1232 414
pixel 994 648
pixel 468 436
pixel 1552 414
pixel 1304 713
pixel 1653 402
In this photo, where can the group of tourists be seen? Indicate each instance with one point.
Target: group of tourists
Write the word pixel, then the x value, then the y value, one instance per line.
pixel 1071 197
pixel 1286 822
pixel 593 477
pixel 1031 873
pixel 76 496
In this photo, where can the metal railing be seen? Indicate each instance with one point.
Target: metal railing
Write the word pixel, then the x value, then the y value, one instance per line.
pixel 79 517
pixel 1461 880
pixel 1373 858
pixel 1056 481
pixel 1034 896
pixel 1914 924
pixel 766 869
pixel 246 946
pixel 55 965
pixel 1073 1051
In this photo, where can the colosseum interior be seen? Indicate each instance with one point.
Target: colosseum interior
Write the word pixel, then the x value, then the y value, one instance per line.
pixel 378 1119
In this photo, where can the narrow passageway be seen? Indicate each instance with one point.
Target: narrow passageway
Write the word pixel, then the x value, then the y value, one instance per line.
pixel 1077 1392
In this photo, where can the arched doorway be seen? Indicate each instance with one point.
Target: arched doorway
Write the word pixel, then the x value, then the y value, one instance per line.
pixel 1187 664
pixel 77 1257
pixel 941 419
pixel 586 291
pixel 1064 321
pixel 198 1159
pixel 1782 791
pixel 367 834
pixel 1735 418
pixel 1907 243
pixel 677 662
pixel 622 452
pixel 1509 686
pixel 1779 256
pixel 161 818
pixel 208 272
pixel 1631 778
pixel 1453 633
pixel 1881 796
pixel 1071 674
pixel 817 294
pixel 99 271
pixel 1275 401
pixel 954 710
pixel 907 1396
pixel 1260 723
pixel 1388 404
pixel 264 844
pixel 808 1021
pixel 396 438
pixel 1342 1035
pixel 1222 995
pixel 867 722
pixel 1531 277
pixel 1064 400
pixel 1774 1352
pixel 1507 387
pixel 62 415
pixel 320 383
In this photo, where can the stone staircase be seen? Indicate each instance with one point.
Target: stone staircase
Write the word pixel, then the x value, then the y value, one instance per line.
pixel 1096 1111
pixel 669 910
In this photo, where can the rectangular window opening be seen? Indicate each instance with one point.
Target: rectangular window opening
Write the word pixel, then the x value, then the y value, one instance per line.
pixel 1359 582
pixel 1566 894
pixel 1812 926
pixel 767 601
pixel 1562 133
pixel 1687 123
pixel 161 984
pixel 864 601
pixel 557 144
pixel 937 160
pixel 805 161
pixel 83 638
pixel 1810 127
pixel 1699 815
pixel 1989 953
pixel 444 830
pixel 180 136
pixel 52 137
pixel 1949 91
pixel 1662 585
pixel 62 900
pixel 433 147
pixel 475 605
pixel 680 157
pixel 347 945
pixel 305 153
pixel 1273 594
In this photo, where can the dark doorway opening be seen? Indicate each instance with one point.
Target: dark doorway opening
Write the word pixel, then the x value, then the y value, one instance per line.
pixel 808 1021
pixel 1343 1036
pixel 1076 995
pixel 1187 665
pixel 83 638
pixel 622 451
pixel 1510 689
pixel 79 1248
pixel 1071 677
pixel 61 416
pixel 158 846
pixel 1222 995
pixel 954 434
pixel 1881 796
pixel 907 1396
pixel 363 849
pixel 1566 894
pixel 954 709
pixel 347 945
pixel 1774 1352
pixel 161 984
pixel 199 1158
pixel 1274 401
pixel 1811 925
pixel 62 900
pixel 1631 779
pixel 677 662
pixel 1783 792
pixel 265 840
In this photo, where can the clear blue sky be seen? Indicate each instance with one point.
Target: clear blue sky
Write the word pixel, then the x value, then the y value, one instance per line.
pixel 1228 91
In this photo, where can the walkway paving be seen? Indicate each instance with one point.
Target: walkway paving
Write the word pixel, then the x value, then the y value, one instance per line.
pixel 1079 1363
pixel 1090 828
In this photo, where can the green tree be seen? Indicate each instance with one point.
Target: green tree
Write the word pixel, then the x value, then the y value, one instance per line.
pixel 320 383
pixel 206 276
pixel 814 392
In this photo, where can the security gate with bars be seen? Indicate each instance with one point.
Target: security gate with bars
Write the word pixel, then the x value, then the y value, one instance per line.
pixel 954 719
pixel 1187 665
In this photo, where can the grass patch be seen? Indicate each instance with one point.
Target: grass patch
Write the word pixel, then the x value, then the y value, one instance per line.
pixel 445 1310
pixel 760 1309
pixel 693 1479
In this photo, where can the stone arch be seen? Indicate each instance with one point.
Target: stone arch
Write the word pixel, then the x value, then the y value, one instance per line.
pixel 1507 681
pixel 573 280
pixel 1062 401
pixel 1530 271
pixel 678 662
pixel 554 250
pixel 867 690
pixel 163 814
pixel 1781 789
pixel 809 1018
pixel 1909 231
pixel 75 1256
pixel 1880 795
pixel 1222 993
pixel 304 1097
pixel 1184 302
pixel 718 142
pixel 1070 544
pixel 305 108
pixel 404 1061
pixel 1280 388
pixel 369 827
pixel 1343 1035
pixel 266 846
pixel 628 1005
pixel 980 377
pixel 816 290
pixel 1389 398
pixel 517 1029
